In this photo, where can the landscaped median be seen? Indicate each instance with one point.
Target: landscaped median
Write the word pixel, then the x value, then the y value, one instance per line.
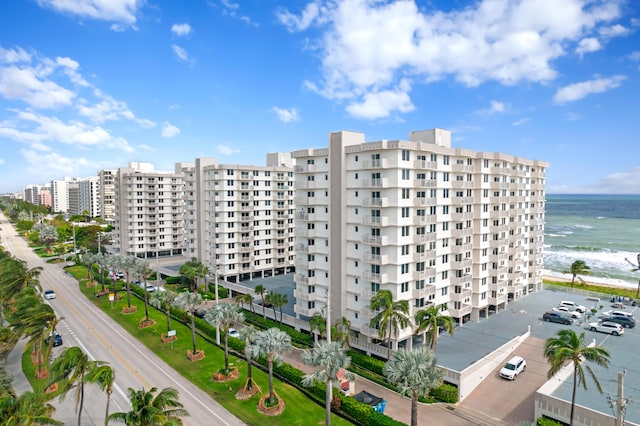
pixel 301 410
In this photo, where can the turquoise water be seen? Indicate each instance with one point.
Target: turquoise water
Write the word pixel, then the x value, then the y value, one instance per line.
pixel 602 230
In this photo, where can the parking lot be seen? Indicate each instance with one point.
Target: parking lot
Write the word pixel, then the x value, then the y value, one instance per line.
pixel 513 401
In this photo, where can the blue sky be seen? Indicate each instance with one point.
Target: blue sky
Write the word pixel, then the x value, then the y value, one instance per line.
pixel 93 84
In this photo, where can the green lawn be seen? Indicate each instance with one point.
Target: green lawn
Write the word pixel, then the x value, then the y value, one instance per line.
pixel 300 410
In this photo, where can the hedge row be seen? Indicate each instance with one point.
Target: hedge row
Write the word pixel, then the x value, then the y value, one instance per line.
pixel 298 338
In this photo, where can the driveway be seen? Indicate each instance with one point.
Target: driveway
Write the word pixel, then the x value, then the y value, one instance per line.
pixel 512 401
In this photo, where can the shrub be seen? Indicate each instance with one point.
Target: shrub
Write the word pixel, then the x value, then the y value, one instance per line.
pixel 445 393
pixel 172 280
pixel 543 421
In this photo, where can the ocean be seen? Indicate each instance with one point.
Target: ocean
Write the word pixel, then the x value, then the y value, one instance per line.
pixel 602 230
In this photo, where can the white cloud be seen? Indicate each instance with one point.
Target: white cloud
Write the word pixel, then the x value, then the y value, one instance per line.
pixel 226 150
pixel 230 8
pixel 2 161
pixel 10 56
pixel 121 12
pixel 626 182
pixel 571 116
pixel 368 46
pixel 299 23
pixel 27 84
pixel 521 121
pixel 495 107
pixel 180 52
pixel 40 130
pixel 380 104
pixel 634 56
pixel 286 115
pixel 614 31
pixel 57 164
pixel 181 30
pixel 169 130
pixel 577 91
pixel 108 109
pixel 589 44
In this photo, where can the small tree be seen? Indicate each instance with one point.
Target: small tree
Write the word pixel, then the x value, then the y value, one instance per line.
pixel 330 358
pixel 248 334
pixel 271 344
pixel 391 317
pixel 570 347
pixel 578 267
pixel 245 298
pixel 261 291
pixel 430 320
pixel 189 302
pixel 224 315
pixel 415 373
pixel 152 408
pixel 318 326
pixel 164 300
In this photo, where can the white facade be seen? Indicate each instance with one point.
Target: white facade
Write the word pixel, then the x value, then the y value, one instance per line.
pixel 240 219
pixel 149 212
pixel 106 187
pixel 459 229
pixel 60 195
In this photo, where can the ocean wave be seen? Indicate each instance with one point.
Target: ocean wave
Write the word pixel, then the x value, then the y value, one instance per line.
pixel 583 226
pixel 555 235
pixel 578 248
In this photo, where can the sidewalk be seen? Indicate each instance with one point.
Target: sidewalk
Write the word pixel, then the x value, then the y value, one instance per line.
pixel 19 383
pixel 399 408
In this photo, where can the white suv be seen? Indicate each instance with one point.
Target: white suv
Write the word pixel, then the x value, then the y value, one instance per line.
pixel 573 306
pixel 515 366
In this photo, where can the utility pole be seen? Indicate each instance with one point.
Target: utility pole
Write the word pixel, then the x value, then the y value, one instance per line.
pixel 619 404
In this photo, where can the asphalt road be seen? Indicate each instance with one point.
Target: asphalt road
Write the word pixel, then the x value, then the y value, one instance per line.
pixel 87 327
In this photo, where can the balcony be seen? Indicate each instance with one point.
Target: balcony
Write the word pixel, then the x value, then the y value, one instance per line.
pixel 424 238
pixel 497 286
pixel 424 275
pixel 457 233
pixel 498 300
pixel 375 259
pixel 461 295
pixel 464 309
pixel 374 239
pixel 374 277
pixel 375 221
pixel 375 202
pixel 424 220
pixel 423 201
pixel 375 183
pixel 380 163
pixel 424 164
pixel 425 183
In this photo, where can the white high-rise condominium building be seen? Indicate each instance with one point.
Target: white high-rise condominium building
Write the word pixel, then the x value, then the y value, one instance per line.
pixel 83 196
pixel 240 219
pixel 459 229
pixel 149 212
pixel 106 186
pixel 60 195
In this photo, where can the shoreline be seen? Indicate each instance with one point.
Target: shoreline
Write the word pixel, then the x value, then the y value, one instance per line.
pixel 548 275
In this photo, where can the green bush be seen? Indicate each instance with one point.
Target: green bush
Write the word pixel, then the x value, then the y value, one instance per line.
pixel 543 421
pixel 172 280
pixel 445 393
pixel 298 338
pixel 366 362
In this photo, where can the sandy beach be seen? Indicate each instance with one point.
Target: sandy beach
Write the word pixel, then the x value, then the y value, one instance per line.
pixel 588 279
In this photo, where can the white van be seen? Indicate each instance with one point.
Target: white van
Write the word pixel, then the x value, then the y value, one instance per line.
pixel 515 366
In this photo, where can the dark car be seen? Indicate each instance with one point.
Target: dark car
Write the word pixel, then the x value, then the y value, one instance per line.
pixel 57 340
pixel 556 317
pixel 626 322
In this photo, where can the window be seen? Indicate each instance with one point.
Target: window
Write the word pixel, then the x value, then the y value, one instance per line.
pixel 405 174
pixel 405 155
pixel 404 287
pixel 405 212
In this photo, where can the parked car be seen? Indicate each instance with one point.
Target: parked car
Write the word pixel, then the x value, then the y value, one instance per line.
pixel 57 340
pixel 49 294
pixel 573 305
pixel 558 317
pixel 618 305
pixel 607 327
pixel 623 320
pixel 568 311
pixel 617 314
pixel 513 367
pixel 234 333
pixel 120 275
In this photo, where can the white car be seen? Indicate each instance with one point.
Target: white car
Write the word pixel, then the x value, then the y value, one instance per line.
pixel 511 369
pixel 49 294
pixel 617 314
pixel 568 311
pixel 573 306
pixel 234 333
pixel 607 327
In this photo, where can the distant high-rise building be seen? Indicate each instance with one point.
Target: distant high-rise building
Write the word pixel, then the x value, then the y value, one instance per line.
pixel 106 194
pixel 149 219
pixel 240 219
pixel 434 225
pixel 60 195
pixel 83 196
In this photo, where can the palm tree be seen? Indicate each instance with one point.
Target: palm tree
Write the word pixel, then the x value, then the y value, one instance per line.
pixel 194 270
pixel 317 325
pixel 331 358
pixel 104 376
pixel 245 298
pixel 28 409
pixel 568 346
pixel 189 302
pixel 415 373
pixel 163 300
pixel 261 291
pixel 224 315
pixel 271 344
pixel 430 320
pixel 149 408
pixel 144 271
pixel 277 300
pixel 341 332
pixel 391 317
pixel 129 264
pixel 578 267
pixel 73 364
pixel 248 334
pixel 33 319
